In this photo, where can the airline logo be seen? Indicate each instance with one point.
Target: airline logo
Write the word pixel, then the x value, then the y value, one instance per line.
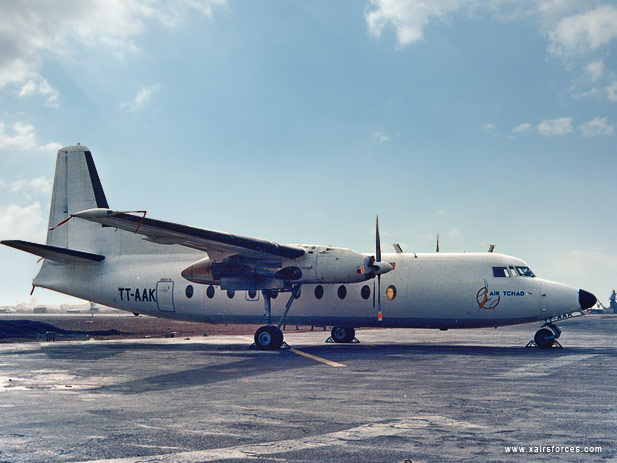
pixel 487 299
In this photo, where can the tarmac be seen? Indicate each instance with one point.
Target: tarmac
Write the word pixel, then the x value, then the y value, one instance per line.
pixel 399 395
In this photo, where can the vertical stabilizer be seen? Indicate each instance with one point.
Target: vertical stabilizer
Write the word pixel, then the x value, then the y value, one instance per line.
pixel 76 187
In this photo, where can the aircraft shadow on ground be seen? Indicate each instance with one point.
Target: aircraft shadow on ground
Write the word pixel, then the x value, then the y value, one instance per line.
pixel 242 363
pixel 419 349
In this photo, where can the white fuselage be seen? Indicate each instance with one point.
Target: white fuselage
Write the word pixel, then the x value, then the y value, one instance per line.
pixel 436 290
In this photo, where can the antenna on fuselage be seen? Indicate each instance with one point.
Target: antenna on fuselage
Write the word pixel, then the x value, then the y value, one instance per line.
pixel 491 247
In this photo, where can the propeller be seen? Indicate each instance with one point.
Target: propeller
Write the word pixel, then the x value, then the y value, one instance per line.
pixel 378 259
pixel 377 268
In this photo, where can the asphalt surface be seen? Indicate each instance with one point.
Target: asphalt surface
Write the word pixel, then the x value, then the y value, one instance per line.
pixel 416 395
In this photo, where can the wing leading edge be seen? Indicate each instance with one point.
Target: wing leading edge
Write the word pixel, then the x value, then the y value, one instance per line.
pixel 218 245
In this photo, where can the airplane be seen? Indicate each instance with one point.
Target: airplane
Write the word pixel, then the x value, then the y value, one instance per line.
pixel 126 260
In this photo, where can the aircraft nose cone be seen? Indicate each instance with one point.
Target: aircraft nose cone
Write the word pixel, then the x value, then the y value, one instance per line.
pixel 586 299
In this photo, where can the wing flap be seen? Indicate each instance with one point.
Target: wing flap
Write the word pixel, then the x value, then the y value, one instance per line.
pixel 213 242
pixel 54 253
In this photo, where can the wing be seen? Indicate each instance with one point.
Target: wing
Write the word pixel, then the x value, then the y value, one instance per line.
pixel 218 245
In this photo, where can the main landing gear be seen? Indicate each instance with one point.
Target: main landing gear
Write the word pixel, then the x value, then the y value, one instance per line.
pixel 546 337
pixel 342 334
pixel 270 337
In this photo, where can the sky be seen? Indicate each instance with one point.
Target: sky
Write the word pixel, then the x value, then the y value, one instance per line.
pixel 299 122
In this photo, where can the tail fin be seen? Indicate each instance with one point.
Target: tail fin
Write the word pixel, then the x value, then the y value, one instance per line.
pixel 76 187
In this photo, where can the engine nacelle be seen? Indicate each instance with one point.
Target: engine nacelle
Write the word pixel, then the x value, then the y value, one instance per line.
pixel 320 264
pixel 207 272
pixel 203 271
pixel 339 265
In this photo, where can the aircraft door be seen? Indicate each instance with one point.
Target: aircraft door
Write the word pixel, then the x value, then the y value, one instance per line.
pixel 543 300
pixel 165 296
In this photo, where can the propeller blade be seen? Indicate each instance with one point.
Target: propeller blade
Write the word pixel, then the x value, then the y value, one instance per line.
pixel 377 241
pixel 373 293
pixel 437 249
pixel 379 314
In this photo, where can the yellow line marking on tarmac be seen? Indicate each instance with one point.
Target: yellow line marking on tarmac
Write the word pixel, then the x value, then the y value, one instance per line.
pixel 314 357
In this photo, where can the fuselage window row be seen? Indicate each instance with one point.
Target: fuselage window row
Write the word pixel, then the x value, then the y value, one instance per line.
pixel 365 292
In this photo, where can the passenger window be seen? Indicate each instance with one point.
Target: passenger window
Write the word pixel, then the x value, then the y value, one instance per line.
pixel 501 272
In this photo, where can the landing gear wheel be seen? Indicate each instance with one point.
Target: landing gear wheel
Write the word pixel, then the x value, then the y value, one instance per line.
pixel 343 334
pixel 268 338
pixel 544 338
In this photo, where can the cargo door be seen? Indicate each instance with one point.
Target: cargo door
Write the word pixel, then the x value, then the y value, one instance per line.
pixel 165 296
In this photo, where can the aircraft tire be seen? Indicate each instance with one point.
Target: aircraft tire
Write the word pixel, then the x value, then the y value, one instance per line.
pixel 268 338
pixel 544 338
pixel 343 334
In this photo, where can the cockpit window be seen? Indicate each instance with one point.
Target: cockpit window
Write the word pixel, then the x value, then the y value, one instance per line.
pixel 525 272
pixel 501 272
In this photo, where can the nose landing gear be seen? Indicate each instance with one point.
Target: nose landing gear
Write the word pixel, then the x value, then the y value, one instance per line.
pixel 546 337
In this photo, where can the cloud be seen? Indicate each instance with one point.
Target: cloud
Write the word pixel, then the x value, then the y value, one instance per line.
pixel 408 17
pixel 555 127
pixel 522 128
pixel 23 138
pixel 41 87
pixel 597 126
pixel 380 137
pixel 595 69
pixel 611 91
pixel 582 32
pixel 39 185
pixel 142 97
pixel 570 26
pixel 28 30
pixel 488 127
pixel 454 233
pixel 427 237
pixel 26 223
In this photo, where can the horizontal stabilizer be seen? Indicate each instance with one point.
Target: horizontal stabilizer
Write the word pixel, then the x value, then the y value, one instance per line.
pixel 54 253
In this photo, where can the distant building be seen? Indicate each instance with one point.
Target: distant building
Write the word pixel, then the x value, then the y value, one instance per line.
pixel 613 305
pixel 40 310
pixel 93 308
